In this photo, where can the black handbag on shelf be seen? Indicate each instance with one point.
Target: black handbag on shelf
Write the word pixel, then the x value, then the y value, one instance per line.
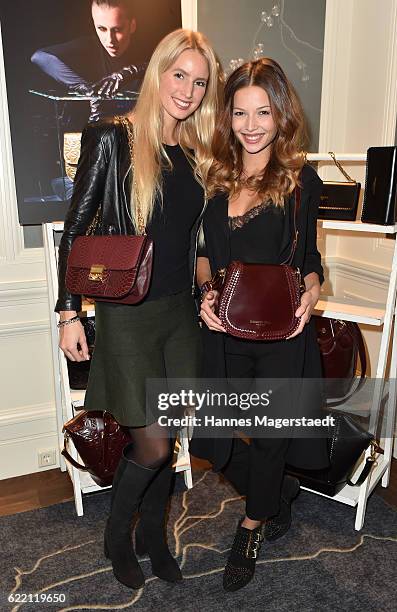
pixel 380 194
pixel 340 344
pixel 339 200
pixel 78 371
pixel 346 443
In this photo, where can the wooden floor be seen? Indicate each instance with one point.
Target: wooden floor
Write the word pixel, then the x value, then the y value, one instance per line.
pixel 53 486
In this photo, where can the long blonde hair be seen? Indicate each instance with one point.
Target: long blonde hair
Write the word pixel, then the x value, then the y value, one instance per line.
pixel 195 132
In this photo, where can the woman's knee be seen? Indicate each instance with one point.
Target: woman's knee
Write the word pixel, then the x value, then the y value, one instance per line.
pixel 160 454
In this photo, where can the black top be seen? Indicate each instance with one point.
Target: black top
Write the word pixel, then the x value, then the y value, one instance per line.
pixel 217 230
pixel 256 236
pixel 171 226
pixel 83 60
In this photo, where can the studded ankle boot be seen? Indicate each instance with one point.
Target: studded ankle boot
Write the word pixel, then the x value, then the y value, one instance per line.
pixel 240 567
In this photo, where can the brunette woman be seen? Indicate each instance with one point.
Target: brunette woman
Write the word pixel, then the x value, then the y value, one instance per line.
pixel 173 124
pixel 259 165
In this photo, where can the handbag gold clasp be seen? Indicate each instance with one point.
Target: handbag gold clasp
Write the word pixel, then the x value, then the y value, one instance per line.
pixel 97 273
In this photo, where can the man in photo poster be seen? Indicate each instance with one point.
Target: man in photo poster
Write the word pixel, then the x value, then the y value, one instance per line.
pixel 102 65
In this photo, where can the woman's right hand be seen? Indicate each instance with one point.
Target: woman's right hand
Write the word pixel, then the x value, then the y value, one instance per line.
pixel 207 312
pixel 70 336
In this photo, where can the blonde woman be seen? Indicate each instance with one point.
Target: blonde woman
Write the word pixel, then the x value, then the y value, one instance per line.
pixel 173 123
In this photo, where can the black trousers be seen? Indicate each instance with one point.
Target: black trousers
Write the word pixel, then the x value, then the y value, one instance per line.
pixel 256 469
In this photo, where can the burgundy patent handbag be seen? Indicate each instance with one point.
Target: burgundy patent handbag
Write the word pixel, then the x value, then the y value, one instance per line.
pixel 99 441
pixel 259 301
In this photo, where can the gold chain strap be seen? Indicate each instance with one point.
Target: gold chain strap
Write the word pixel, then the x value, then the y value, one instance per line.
pixel 95 222
pixel 337 164
pixel 130 134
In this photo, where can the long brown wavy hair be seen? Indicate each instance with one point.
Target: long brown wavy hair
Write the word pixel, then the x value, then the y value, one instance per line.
pixel 280 176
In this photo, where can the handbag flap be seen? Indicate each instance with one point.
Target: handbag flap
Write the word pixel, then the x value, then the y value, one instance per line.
pixel 260 301
pixel 112 252
pixel 339 195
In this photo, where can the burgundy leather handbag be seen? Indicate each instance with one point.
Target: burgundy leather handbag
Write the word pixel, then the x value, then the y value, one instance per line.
pixel 111 268
pixel 99 441
pixel 259 301
pixel 340 343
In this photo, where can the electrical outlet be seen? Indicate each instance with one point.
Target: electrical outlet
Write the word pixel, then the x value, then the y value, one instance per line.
pixel 47 457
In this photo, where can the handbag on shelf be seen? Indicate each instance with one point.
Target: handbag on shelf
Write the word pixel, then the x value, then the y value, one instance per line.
pixel 380 194
pixel 112 268
pixel 259 301
pixel 340 343
pixel 339 200
pixel 99 441
pixel 346 443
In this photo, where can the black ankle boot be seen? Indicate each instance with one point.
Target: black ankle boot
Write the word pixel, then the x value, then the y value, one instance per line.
pixel 278 525
pixel 240 567
pixel 150 534
pixel 132 481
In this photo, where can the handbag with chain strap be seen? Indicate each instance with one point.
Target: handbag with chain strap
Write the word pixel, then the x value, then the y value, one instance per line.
pixel 111 268
pixel 339 200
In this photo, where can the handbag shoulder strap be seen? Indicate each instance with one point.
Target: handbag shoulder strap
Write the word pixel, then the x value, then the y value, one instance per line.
pixel 65 453
pixel 369 464
pixel 338 165
pixel 297 205
pixel 130 136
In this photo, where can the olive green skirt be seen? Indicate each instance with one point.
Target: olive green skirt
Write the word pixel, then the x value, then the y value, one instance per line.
pixel 155 339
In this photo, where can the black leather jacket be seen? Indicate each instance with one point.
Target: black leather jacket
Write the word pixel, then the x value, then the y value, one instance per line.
pixel 103 178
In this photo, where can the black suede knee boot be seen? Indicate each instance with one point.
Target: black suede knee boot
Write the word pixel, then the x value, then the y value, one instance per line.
pixel 131 482
pixel 150 534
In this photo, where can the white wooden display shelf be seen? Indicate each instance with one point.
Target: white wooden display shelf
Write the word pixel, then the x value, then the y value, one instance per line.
pixel 68 401
pixel 77 398
pixel 351 310
pixel 358 226
pixel 377 315
pixel 351 495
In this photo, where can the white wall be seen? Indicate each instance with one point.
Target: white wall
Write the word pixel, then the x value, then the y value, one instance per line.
pixel 358 110
pixel 27 413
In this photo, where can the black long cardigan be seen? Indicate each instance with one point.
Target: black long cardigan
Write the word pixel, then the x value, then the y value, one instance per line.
pixel 303 453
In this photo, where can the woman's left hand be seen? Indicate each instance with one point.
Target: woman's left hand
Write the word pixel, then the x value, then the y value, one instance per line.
pixel 309 300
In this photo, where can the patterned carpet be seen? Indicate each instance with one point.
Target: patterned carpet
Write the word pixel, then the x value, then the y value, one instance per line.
pixel 321 564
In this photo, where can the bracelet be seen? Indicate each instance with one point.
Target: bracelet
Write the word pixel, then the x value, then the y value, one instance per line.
pixel 68 321
pixel 205 287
